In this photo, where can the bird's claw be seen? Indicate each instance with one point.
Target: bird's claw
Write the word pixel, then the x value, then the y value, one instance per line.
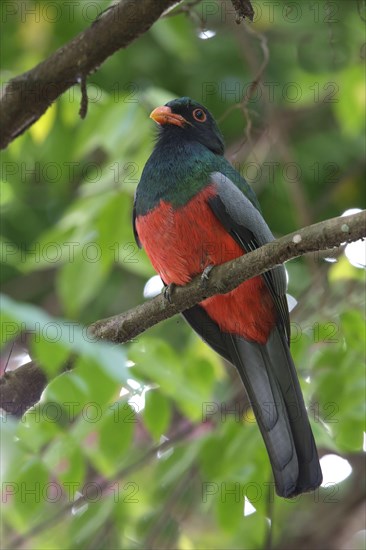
pixel 168 291
pixel 206 274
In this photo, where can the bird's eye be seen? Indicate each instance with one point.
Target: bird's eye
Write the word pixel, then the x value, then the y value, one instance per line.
pixel 199 115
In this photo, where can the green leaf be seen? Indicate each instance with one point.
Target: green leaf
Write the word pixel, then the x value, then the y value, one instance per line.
pixel 105 434
pixel 230 506
pixel 94 515
pixel 39 426
pixel 340 376
pixel 28 493
pixel 64 460
pixel 172 466
pixel 157 413
pixel 48 352
pixel 114 229
pixel 80 280
pixel 350 109
pixel 178 377
pixel 11 451
pixel 353 328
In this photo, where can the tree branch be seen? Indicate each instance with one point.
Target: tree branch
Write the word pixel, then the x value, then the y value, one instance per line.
pixel 225 277
pixel 14 389
pixel 21 388
pixel 27 96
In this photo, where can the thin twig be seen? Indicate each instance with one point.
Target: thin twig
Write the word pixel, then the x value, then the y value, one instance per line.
pixel 84 97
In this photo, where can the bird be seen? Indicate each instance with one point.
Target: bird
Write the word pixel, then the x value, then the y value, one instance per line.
pixel 193 210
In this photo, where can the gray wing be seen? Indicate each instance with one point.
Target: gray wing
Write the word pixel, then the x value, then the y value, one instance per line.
pixel 246 225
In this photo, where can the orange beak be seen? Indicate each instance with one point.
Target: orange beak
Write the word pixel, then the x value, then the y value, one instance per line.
pixel 164 115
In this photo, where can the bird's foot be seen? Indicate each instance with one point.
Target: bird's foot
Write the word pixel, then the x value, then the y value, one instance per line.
pixel 168 292
pixel 206 274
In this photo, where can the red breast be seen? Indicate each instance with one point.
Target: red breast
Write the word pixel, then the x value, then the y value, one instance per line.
pixel 181 242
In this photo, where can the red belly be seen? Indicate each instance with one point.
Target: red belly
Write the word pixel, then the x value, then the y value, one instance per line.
pixel 181 243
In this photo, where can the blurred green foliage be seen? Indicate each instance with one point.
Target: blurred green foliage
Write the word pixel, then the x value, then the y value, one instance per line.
pixel 69 258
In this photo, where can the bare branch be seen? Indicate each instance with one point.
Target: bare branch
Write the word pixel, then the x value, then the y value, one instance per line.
pixel 226 277
pixel 27 96
pixel 21 388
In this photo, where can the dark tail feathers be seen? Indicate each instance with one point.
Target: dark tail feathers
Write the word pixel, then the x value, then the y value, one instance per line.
pixel 270 378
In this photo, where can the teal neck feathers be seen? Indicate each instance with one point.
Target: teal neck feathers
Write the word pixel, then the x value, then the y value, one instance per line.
pixel 179 169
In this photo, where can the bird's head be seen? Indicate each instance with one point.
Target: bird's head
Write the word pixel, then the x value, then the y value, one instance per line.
pixel 188 116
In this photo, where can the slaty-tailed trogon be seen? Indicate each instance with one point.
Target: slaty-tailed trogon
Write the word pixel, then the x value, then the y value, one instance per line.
pixel 193 210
